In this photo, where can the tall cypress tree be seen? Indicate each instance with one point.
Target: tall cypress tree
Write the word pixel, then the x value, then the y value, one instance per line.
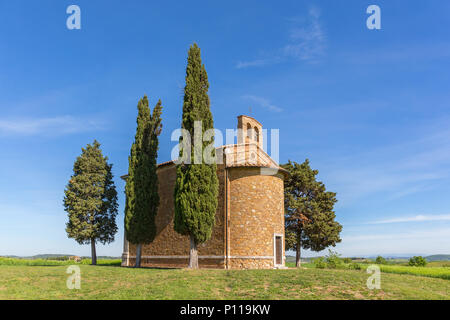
pixel 196 188
pixel 91 200
pixel 141 190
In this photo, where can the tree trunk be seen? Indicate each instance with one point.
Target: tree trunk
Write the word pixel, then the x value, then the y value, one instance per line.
pixel 138 256
pixel 193 254
pixel 93 253
pixel 298 262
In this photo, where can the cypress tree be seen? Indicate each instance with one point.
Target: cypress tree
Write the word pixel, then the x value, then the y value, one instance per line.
pixel 309 217
pixel 91 200
pixel 141 190
pixel 196 187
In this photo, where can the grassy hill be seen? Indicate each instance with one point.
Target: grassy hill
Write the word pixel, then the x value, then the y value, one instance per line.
pixel 113 282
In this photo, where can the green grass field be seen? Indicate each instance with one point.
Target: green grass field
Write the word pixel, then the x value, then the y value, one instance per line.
pixel 434 272
pixel 439 264
pixel 113 282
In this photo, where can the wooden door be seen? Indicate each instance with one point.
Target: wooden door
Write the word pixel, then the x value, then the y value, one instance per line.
pixel 279 250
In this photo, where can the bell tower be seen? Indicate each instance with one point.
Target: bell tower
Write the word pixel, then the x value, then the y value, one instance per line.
pixel 249 131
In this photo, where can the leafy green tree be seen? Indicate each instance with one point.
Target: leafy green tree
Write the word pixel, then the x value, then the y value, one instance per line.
pixel 417 261
pixel 354 266
pixel 380 260
pixel 141 190
pixel 347 260
pixel 196 188
pixel 333 259
pixel 309 216
pixel 319 262
pixel 91 200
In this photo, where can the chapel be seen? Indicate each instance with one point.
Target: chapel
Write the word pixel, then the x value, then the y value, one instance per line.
pixel 249 225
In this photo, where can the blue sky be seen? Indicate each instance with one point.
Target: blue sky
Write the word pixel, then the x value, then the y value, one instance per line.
pixel 369 108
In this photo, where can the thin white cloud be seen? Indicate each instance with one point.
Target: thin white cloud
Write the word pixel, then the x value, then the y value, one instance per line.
pixel 307 42
pixel 404 52
pixel 51 125
pixel 262 102
pixel 413 242
pixel 389 243
pixel 416 235
pixel 397 170
pixel 418 218
pixel 361 182
pixel 254 63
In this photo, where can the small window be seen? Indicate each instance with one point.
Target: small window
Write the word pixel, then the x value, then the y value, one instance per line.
pixel 249 131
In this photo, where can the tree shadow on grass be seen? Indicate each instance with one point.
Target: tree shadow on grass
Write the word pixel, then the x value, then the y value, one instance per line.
pixel 153 268
pixel 104 265
pixel 132 267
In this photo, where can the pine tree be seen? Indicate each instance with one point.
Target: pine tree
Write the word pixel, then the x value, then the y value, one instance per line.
pixel 309 216
pixel 196 188
pixel 141 190
pixel 91 200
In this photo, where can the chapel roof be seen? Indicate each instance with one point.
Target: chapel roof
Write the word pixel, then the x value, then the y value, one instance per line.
pixel 246 153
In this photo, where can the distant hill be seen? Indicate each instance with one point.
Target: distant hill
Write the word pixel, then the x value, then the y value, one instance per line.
pixel 47 256
pixel 435 257
pixel 438 257
pixel 292 259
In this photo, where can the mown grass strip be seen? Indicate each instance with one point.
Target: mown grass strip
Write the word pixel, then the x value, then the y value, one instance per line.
pixel 49 262
pixel 434 272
